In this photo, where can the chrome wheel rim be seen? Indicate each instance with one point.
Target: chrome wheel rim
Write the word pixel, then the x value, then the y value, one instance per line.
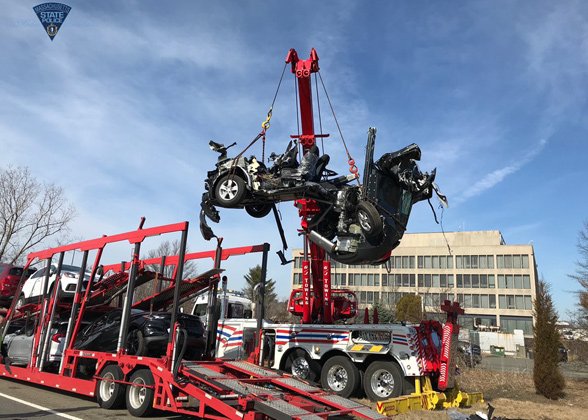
pixel 228 189
pixel 337 378
pixel 382 383
pixel 364 221
pixel 301 368
pixel 107 386
pixel 137 393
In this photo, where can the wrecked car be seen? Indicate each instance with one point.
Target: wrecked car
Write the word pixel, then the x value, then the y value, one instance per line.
pixel 357 224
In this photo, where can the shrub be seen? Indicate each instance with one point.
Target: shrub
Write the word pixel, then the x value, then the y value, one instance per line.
pixel 548 380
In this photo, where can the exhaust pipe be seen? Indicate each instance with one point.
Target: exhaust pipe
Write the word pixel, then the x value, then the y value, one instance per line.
pixel 322 242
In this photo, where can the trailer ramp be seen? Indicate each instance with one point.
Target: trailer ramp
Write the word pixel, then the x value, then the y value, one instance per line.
pixel 241 384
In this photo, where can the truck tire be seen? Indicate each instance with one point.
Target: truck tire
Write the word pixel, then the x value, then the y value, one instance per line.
pixel 229 190
pixel 341 376
pixel 110 395
pixel 140 393
pixel 382 380
pixel 300 365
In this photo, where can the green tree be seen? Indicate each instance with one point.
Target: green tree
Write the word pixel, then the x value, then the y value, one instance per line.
pixel 409 308
pixel 252 278
pixel 385 313
pixel 548 380
pixel 581 273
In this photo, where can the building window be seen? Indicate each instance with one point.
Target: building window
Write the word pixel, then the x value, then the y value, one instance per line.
pixel 428 262
pixel 491 283
pixel 500 261
pixel 412 280
pixel 492 300
pixel 511 323
pixel 450 262
pixel 528 302
pixel 436 280
pixel 526 281
pixel 450 280
pixel 421 261
pixel 525 261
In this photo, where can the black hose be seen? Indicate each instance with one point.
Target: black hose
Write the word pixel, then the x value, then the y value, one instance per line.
pixel 180 354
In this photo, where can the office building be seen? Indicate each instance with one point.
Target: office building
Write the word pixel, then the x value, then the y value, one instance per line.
pixel 493 281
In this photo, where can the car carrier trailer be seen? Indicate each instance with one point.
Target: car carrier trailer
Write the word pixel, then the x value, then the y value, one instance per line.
pixel 210 388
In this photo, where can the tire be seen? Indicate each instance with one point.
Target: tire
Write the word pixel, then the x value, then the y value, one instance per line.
pixel 110 395
pixel 139 398
pixel 341 376
pixel 300 365
pixel 383 380
pixel 369 221
pixel 229 190
pixel 20 302
pixel 136 345
pixel 258 210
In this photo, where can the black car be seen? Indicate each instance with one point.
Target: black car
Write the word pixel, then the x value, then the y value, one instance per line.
pixel 148 333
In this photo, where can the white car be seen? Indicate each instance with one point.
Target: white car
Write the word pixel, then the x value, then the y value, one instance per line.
pixel 32 288
pixel 18 345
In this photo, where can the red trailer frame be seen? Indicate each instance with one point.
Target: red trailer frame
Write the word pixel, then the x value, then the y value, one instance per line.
pixel 212 389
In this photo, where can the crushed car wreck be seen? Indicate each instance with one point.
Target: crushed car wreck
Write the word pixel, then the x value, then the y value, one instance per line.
pixel 356 224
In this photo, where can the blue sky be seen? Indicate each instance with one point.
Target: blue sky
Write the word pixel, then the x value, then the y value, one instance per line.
pixel 119 108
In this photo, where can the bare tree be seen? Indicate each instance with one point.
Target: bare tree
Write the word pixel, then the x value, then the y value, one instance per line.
pixel 168 248
pixel 30 213
pixel 581 274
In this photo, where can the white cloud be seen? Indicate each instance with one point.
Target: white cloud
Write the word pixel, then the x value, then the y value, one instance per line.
pixel 495 177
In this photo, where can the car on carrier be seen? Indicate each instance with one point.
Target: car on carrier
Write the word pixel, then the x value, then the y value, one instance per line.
pixel 9 277
pixel 17 346
pixel 32 288
pixel 148 333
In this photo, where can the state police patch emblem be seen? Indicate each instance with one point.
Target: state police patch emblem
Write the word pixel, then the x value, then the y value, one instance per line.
pixel 52 16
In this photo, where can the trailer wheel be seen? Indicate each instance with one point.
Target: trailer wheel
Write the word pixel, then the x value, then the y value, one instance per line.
pixel 229 190
pixel 382 380
pixel 110 394
pixel 300 365
pixel 341 376
pixel 140 393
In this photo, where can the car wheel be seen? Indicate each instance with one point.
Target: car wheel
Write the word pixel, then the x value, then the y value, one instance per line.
pixel 341 376
pixel 110 394
pixel 140 393
pixel 229 190
pixel 300 365
pixel 136 345
pixel 382 380
pixel 258 210
pixel 370 221
pixel 20 302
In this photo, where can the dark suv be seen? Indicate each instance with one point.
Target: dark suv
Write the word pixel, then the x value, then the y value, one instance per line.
pixel 9 277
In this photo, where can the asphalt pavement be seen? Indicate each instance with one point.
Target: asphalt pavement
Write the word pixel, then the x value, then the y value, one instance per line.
pixel 20 401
